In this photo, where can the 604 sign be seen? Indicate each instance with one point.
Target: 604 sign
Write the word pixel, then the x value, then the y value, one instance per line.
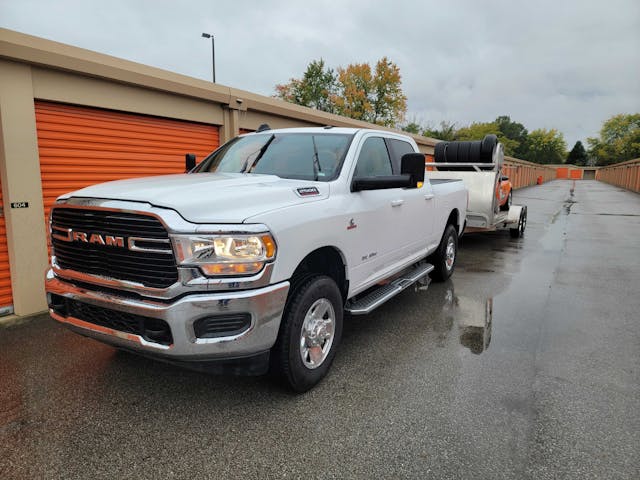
pixel 19 204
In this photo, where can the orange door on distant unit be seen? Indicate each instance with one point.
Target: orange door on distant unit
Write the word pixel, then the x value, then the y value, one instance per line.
pixel 575 174
pixel 562 172
pixel 6 297
pixel 81 146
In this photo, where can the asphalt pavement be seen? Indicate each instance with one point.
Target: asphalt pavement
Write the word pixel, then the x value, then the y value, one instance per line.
pixel 525 365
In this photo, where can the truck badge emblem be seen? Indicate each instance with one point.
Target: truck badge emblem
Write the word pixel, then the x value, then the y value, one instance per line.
pixel 70 235
pixel 307 191
pixel 352 225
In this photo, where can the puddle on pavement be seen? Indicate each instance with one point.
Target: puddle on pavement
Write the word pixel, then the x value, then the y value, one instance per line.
pixel 467 318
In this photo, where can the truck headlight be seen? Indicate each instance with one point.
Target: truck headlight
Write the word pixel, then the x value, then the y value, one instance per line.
pixel 225 255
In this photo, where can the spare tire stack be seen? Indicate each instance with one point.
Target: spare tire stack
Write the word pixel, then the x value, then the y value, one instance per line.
pixel 480 151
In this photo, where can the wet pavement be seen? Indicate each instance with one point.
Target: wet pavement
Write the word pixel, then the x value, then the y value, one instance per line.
pixel 526 364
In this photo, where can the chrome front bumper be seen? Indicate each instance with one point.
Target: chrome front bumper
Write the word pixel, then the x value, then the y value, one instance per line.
pixel 264 305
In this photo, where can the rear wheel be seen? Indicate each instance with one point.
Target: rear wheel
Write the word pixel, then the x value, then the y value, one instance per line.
pixel 444 258
pixel 310 333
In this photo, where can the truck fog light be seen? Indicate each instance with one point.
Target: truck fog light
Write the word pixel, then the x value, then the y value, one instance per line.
pixel 217 269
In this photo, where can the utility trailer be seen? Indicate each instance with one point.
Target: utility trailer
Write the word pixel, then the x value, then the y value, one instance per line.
pixel 479 164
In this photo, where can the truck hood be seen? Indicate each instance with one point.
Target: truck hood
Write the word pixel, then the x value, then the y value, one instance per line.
pixel 211 197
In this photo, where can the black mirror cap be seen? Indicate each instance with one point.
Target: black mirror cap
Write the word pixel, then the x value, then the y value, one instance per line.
pixel 413 164
pixel 381 182
pixel 189 162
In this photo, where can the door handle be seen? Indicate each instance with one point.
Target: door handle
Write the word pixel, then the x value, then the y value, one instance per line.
pixel 429 196
pixel 397 203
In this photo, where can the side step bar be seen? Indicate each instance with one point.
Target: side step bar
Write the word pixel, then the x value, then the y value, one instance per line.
pixel 377 297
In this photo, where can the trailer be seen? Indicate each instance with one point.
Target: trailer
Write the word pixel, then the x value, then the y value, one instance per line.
pixel 479 165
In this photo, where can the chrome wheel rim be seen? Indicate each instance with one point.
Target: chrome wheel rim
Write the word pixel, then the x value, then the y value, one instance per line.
pixel 450 254
pixel 318 331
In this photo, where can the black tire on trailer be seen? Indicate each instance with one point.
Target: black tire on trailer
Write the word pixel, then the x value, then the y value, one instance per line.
pixel 444 258
pixel 507 204
pixel 518 232
pixel 486 149
pixel 309 334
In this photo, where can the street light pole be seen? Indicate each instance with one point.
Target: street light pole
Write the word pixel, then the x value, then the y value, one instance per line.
pixel 213 53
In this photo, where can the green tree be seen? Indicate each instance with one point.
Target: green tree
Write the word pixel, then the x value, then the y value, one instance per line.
pixel 447 131
pixel 578 155
pixel 412 127
pixel 546 146
pixel 478 130
pixel 513 131
pixel 316 89
pixel 619 140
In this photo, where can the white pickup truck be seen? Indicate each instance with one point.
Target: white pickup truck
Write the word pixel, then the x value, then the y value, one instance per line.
pixel 248 262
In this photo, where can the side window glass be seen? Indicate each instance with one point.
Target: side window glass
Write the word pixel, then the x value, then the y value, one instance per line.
pixel 398 149
pixel 373 159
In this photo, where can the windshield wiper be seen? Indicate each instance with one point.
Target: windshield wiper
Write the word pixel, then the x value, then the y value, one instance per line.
pixel 316 160
pixel 260 154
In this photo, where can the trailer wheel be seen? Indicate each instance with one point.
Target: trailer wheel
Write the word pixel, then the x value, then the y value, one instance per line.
pixel 444 258
pixel 310 333
pixel 522 225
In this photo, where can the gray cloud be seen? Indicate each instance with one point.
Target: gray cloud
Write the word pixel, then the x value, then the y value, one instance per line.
pixel 567 65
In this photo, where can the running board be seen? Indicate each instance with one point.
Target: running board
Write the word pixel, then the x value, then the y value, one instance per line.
pixel 377 297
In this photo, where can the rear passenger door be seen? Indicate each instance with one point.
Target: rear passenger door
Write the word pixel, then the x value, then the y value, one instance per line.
pixel 418 206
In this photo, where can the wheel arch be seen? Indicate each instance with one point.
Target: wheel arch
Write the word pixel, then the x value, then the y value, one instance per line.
pixel 327 260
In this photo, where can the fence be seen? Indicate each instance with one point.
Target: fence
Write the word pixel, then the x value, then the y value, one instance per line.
pixel 625 175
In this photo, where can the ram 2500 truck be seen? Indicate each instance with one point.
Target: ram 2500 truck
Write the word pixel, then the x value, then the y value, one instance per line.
pixel 248 262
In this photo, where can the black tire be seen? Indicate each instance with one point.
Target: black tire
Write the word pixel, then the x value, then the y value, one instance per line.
pixel 507 205
pixel 518 232
pixel 287 354
pixel 441 259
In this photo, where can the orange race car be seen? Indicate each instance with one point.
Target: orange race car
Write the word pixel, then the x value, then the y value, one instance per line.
pixel 503 193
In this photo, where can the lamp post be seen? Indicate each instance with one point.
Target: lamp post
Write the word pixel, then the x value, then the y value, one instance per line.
pixel 213 53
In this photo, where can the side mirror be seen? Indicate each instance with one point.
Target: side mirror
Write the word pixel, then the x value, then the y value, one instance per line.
pixel 189 162
pixel 412 164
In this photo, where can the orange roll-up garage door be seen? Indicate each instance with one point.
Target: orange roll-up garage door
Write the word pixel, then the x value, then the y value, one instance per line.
pixel 6 298
pixel 81 146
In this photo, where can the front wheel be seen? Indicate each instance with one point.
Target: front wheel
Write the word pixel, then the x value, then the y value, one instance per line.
pixel 310 333
pixel 444 258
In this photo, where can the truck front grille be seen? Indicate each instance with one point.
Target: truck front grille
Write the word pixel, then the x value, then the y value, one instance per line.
pixel 115 245
pixel 151 329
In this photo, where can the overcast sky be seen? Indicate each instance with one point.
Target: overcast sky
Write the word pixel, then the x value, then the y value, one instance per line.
pixel 559 64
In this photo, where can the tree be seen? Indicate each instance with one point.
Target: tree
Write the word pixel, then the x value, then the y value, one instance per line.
pixel 546 146
pixel 513 131
pixel 356 91
pixel 412 127
pixel 317 88
pixel 478 130
pixel 447 131
pixel 619 140
pixel 578 155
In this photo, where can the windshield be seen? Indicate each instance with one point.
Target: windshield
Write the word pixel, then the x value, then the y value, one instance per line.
pixel 304 156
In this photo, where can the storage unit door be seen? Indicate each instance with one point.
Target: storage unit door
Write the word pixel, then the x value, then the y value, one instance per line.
pixel 81 146
pixel 6 298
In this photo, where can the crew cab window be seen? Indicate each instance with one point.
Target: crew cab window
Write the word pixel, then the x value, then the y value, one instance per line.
pixel 304 156
pixel 398 149
pixel 373 159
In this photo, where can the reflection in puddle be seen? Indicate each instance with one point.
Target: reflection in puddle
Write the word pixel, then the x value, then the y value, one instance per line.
pixel 473 317
pixel 474 324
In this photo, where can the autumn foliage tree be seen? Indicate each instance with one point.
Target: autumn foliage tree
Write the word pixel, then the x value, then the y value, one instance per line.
pixel 357 91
